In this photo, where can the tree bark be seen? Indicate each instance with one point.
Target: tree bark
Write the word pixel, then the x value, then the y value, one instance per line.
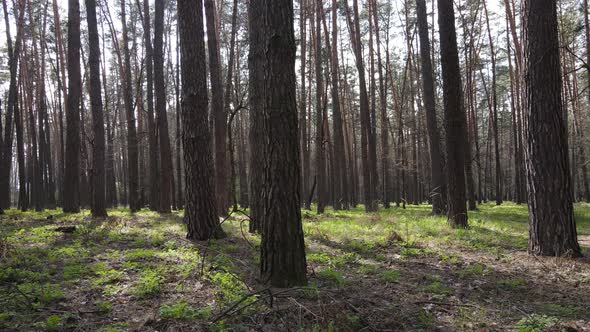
pixel 200 204
pixel 152 139
pixel 98 206
pixel 282 249
pixel 219 113
pixel 320 147
pixel 438 192
pixel 256 101
pixel 165 174
pixel 71 200
pixel 455 122
pixel 499 199
pixel 552 227
pixel 132 149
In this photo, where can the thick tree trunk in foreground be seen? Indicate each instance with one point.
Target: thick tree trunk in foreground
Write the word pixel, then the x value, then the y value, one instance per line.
pixel 438 192
pixel 455 122
pixel 98 148
pixel 282 248
pixel 71 197
pixel 200 209
pixel 552 228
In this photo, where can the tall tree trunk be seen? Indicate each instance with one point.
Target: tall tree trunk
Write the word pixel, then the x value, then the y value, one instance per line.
pixel 256 101
pixel 165 174
pixel 98 206
pixel 455 122
pixel 320 147
pixel 227 95
pixel 132 158
pixel 368 176
pixel 552 227
pixel 14 57
pixel 282 249
pixel 152 139
pixel 386 181
pixel 305 172
pixel 219 113
pixel 200 205
pixel 495 111
pixel 71 201
pixel 438 192
pixel 180 198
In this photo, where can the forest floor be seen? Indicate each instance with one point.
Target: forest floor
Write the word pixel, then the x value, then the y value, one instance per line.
pixel 398 270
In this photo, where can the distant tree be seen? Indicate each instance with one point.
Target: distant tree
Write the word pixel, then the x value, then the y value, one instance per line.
pixel 455 121
pixel 552 226
pixel 282 249
pixel 320 158
pixel 200 204
pixel 218 111
pixel 152 139
pixel 98 206
pixel 438 192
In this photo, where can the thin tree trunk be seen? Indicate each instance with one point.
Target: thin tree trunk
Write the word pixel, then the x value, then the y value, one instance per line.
pixel 438 191
pixel 320 147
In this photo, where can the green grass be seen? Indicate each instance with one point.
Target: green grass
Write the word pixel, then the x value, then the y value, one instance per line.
pixel 142 259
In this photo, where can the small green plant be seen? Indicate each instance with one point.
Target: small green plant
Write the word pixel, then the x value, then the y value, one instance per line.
pixel 345 259
pixel 322 258
pixel 183 311
pixel 103 306
pixel 71 272
pixel 390 276
pixel 425 319
pixel 535 323
pixel 149 284
pixel 52 322
pixel 510 283
pixel 368 269
pixel 107 276
pixel 354 321
pixel 332 276
pixel 474 270
pixel 229 288
pixel 438 288
pixel 560 310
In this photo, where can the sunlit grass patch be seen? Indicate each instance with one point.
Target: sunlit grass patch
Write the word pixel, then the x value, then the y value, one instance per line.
pixel 149 284
pixel 183 311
